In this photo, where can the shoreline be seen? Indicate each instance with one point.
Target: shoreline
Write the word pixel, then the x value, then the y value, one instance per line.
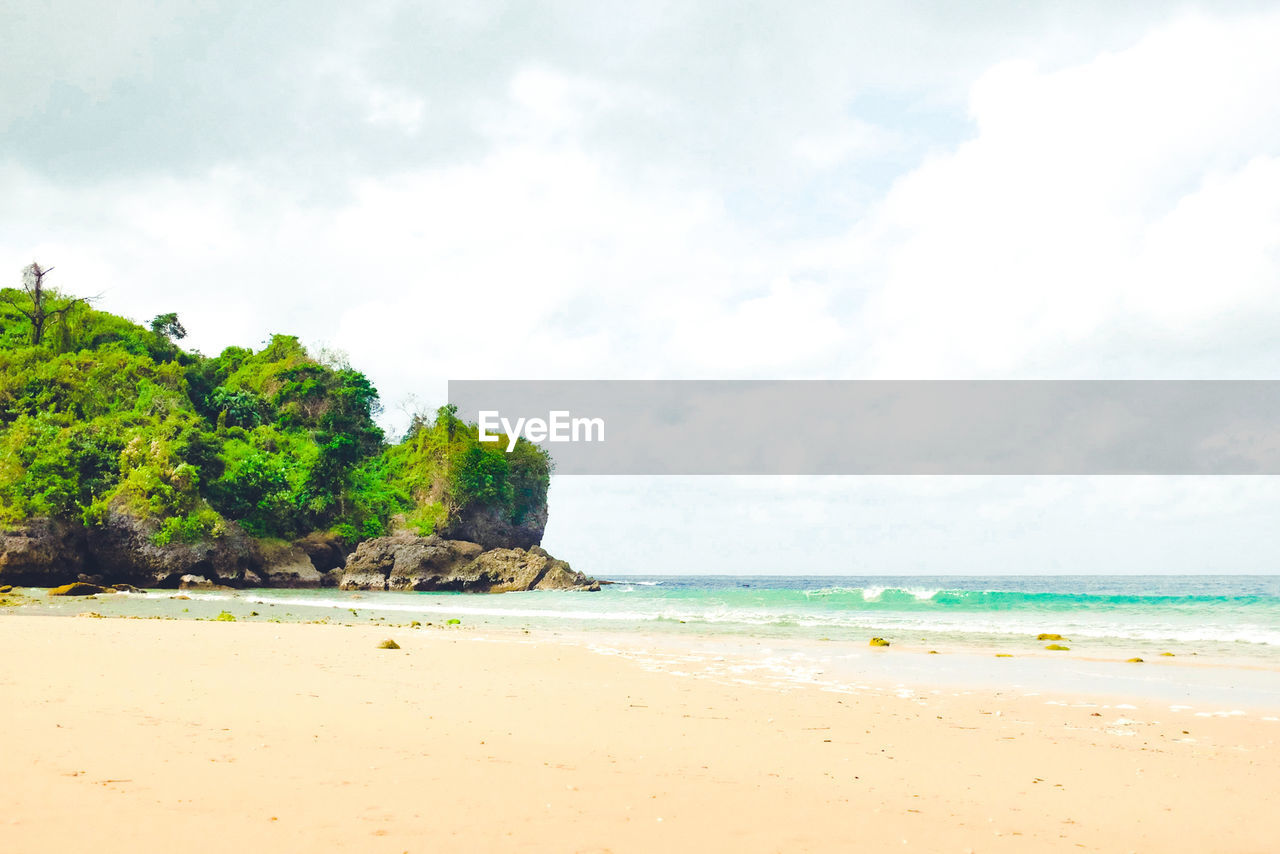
pixel 1209 682
pixel 289 736
pixel 1213 688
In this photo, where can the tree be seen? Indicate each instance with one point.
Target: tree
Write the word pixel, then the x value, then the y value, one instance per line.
pixel 168 326
pixel 46 305
pixel 449 415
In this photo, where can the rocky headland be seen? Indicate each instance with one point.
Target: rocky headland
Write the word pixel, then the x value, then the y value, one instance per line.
pixel 122 550
pixel 127 460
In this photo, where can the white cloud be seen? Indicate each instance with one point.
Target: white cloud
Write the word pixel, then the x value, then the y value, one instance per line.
pixel 849 139
pixel 790 326
pixel 1138 188
pixel 660 206
pixel 396 109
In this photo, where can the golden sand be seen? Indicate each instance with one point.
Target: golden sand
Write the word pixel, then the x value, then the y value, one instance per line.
pixel 136 735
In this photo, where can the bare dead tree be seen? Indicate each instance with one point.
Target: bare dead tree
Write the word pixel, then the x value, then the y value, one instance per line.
pixel 46 305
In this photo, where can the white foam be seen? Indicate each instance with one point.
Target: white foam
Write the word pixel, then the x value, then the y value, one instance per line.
pixel 1081 626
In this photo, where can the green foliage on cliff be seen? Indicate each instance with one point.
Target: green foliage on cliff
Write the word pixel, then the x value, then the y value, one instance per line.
pixel 106 415
pixel 447 471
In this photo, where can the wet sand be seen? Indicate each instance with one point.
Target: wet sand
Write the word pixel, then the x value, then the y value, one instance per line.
pixel 128 735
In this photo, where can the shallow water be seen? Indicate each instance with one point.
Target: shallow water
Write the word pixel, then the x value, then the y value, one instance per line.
pixel 1222 616
pixel 1212 625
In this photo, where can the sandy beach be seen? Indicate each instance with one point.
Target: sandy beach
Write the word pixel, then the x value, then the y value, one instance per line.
pixel 128 735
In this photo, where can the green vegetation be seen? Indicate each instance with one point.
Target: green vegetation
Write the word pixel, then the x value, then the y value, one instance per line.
pixel 1057 647
pixel 99 414
pixel 445 470
pixel 225 617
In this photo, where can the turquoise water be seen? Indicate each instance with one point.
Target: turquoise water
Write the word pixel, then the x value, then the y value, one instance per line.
pixel 1236 617
pixel 1223 633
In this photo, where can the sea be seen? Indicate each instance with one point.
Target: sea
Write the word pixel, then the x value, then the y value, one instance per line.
pixel 1214 639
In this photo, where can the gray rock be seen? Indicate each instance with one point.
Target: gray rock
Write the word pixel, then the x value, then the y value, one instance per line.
pixel 122 548
pixel 505 570
pixel 428 562
pixel 288 566
pixel 362 579
pixel 408 562
pixel 559 576
pixel 121 551
pixel 41 553
pixel 490 527
pixel 327 552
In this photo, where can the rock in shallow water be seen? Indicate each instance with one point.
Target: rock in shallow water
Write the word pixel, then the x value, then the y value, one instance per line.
pixel 79 588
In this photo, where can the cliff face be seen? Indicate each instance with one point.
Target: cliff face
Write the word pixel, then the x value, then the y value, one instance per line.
pixel 490 527
pixel 122 550
pixel 41 550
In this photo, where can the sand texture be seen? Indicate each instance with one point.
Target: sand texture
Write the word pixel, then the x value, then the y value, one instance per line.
pixel 141 735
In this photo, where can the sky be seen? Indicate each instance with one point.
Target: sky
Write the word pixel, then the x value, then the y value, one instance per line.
pixel 853 190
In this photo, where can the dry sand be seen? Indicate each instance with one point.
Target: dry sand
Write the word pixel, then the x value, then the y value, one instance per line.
pixel 138 735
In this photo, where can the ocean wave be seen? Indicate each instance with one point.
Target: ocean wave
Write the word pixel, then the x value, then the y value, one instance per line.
pixel 876 594
pixel 838 612
pixel 1014 599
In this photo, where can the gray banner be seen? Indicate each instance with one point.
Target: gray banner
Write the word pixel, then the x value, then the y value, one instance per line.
pixel 887 427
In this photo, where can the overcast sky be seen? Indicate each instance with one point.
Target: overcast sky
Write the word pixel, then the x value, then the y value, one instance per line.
pixel 694 190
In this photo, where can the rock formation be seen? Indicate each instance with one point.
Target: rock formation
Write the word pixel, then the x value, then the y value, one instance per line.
pixel 123 549
pixel 122 552
pixel 41 553
pixel 408 562
pixel 489 527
